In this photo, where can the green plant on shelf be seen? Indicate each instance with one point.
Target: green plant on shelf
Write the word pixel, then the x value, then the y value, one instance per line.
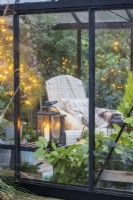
pixel 127 100
pixel 70 165
pixel 29 168
pixel 28 132
pixel 2 130
pixel 122 149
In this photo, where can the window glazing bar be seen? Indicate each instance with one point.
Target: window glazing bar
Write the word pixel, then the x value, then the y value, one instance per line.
pixel 16 96
pixel 91 97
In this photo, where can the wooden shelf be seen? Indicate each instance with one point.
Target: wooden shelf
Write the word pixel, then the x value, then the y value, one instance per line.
pixel 117 176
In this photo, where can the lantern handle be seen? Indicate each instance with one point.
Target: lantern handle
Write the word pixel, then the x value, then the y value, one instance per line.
pixel 49 103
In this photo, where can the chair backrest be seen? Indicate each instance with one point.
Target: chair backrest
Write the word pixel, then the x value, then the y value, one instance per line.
pixel 64 86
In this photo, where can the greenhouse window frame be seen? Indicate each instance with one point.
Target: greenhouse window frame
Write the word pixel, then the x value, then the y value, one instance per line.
pixel 60 190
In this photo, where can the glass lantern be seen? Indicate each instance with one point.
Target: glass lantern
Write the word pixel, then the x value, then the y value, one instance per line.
pixel 50 124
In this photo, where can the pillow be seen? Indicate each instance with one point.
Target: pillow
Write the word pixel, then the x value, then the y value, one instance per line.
pixel 78 108
pixel 71 123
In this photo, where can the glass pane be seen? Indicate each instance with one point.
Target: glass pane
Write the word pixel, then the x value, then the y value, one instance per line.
pixel 6 169
pixel 54 67
pixel 112 16
pixel 6 158
pixel 6 95
pixel 113 97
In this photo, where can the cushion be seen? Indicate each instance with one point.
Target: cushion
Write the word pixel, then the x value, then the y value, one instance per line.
pixel 72 136
pixel 78 108
pixel 71 123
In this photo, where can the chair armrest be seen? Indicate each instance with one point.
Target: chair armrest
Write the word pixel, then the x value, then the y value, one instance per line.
pixel 117 119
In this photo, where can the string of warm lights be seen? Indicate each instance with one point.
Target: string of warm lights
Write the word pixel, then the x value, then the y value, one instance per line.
pixel 30 82
pixel 113 72
pixel 116 45
pixel 65 63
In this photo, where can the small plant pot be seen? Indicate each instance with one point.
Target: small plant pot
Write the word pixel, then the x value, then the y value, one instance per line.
pixel 9 130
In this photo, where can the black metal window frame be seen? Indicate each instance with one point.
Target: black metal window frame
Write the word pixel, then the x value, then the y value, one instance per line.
pixel 60 190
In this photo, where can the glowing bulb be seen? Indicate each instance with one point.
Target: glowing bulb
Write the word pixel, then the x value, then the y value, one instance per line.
pixel 1 20
pixel 116 48
pixel 113 85
pixel 116 43
pixel 27 102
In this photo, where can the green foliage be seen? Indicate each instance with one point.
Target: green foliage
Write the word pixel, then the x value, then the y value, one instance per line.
pixel 70 164
pixel 28 132
pixel 29 168
pixel 121 158
pixel 54 50
pixel 127 159
pixel 4 101
pixel 2 130
pixel 124 147
pixel 129 120
pixel 5 97
pixel 127 101
pixel 31 82
pixel 112 64
pixel 103 145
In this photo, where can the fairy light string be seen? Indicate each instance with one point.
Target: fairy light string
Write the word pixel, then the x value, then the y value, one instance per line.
pixel 28 86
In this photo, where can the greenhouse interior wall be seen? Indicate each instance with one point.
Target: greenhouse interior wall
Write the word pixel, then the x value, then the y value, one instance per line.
pixel 66 97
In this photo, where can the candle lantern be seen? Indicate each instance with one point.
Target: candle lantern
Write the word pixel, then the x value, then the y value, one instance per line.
pixel 50 123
